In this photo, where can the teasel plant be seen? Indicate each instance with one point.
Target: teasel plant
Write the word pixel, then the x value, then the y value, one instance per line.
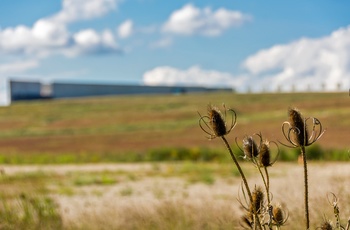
pixel 277 216
pixel 327 224
pixel 260 156
pixel 298 135
pixel 255 206
pixel 216 125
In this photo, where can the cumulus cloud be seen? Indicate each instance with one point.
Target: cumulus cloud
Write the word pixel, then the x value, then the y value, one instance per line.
pixel 42 36
pixel 305 64
pixel 321 63
pixel 51 36
pixel 190 20
pixel 125 30
pixel 73 10
pixel 47 38
pixel 90 42
pixel 194 76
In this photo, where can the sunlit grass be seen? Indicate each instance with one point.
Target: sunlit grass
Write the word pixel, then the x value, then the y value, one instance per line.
pixel 158 195
pixel 180 184
pixel 111 127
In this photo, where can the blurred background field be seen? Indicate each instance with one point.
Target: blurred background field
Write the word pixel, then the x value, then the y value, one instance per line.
pixel 155 128
pixel 143 162
pixel 176 195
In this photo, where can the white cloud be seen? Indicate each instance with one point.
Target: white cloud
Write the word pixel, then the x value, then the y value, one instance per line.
pixel 190 20
pixel 17 67
pixel 125 30
pixel 90 42
pixel 49 33
pixel 194 76
pixel 305 63
pixel 51 36
pixel 42 36
pixel 73 10
pixel 48 38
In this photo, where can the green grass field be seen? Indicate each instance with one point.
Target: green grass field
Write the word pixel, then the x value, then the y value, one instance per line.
pixel 126 128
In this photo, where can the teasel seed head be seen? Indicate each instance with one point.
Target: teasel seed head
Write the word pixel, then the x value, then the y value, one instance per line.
pixel 250 148
pixel 258 200
pixel 278 215
pixel 264 154
pixel 217 121
pixel 300 135
pixel 214 123
pixel 326 225
pixel 296 130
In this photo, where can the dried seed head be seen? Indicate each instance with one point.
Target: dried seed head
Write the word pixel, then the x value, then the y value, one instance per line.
pixel 326 225
pixel 277 214
pixel 214 123
pixel 298 125
pixel 258 200
pixel 217 121
pixel 250 148
pixel 264 154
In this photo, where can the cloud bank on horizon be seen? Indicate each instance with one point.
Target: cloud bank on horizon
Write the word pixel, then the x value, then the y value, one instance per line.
pixel 302 65
pixel 321 63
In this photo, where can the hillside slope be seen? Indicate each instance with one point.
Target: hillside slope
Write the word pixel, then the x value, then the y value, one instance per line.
pixel 118 125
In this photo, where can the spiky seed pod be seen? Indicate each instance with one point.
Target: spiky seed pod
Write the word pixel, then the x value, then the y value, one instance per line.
pixel 326 225
pixel 298 125
pixel 264 154
pixel 250 148
pixel 258 200
pixel 217 121
pixel 277 214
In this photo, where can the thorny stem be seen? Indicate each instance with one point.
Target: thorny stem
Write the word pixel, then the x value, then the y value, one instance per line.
pixel 338 219
pixel 267 185
pixel 243 178
pixel 306 187
pixel 266 182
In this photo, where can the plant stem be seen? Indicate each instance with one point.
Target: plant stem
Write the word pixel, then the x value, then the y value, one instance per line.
pixel 265 181
pixel 267 188
pixel 306 187
pixel 244 180
pixel 268 185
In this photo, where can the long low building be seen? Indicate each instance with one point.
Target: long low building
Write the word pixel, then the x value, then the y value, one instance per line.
pixel 29 90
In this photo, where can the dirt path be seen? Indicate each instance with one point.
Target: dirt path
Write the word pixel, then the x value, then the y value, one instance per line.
pixel 63 169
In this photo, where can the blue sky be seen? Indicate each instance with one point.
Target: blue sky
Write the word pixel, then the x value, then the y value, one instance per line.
pixel 253 44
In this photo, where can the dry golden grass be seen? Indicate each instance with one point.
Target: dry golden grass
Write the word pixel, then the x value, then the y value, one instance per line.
pixel 167 196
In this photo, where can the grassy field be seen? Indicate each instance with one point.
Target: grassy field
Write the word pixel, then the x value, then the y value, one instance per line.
pixel 40 191
pixel 109 129
pixel 146 196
